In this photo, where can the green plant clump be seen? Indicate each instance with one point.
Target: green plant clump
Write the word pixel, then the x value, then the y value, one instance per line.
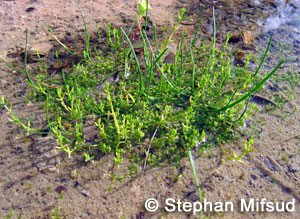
pixel 141 106
pixel 144 108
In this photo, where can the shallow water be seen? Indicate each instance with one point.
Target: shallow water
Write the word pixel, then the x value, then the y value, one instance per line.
pixel 286 14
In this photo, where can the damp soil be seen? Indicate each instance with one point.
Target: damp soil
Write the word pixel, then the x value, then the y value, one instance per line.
pixel 37 179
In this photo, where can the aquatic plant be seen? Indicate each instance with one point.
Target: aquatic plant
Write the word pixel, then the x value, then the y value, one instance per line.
pixel 154 112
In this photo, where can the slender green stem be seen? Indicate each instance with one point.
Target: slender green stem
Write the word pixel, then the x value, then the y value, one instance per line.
pixel 155 38
pixel 264 57
pixel 11 66
pixel 139 69
pixel 87 39
pixel 214 32
pixel 252 90
pixel 156 62
pixel 193 72
pixel 195 178
pixel 31 83
pixel 193 42
pixel 60 43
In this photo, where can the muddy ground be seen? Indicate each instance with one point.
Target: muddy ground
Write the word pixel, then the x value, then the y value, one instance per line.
pixel 34 173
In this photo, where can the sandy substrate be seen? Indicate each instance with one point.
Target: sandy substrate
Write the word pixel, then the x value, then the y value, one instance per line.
pixel 34 173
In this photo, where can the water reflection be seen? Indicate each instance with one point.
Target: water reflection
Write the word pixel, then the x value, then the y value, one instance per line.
pixel 287 19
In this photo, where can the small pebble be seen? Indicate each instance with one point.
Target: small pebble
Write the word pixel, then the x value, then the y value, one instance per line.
pixel 76 184
pixel 30 9
pixel 19 150
pixel 74 174
pixel 270 165
pixel 60 189
pixel 193 196
pixel 293 167
pixel 85 193
pixel 253 177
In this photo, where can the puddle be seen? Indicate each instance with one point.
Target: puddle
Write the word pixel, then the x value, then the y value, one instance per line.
pixel 288 14
pixel 284 24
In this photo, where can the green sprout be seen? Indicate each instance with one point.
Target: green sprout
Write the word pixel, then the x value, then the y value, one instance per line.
pixel 143 7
